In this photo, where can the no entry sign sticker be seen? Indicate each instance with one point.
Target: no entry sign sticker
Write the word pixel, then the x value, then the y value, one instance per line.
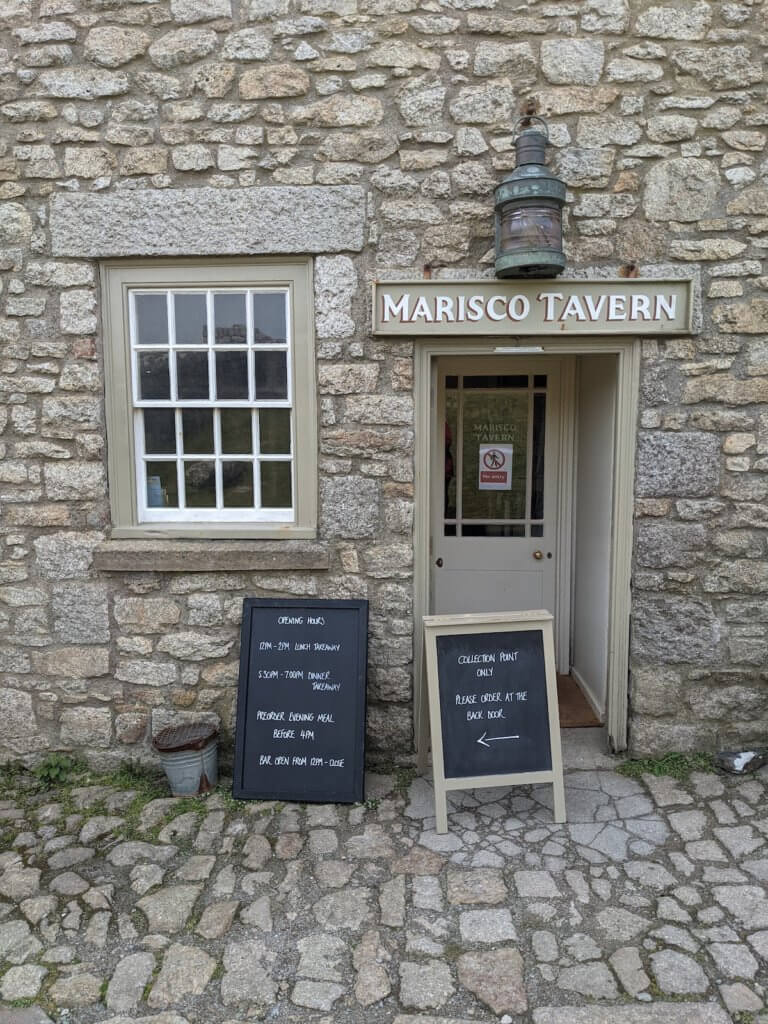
pixel 495 467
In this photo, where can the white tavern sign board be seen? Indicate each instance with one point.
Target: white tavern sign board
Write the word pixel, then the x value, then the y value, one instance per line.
pixel 532 307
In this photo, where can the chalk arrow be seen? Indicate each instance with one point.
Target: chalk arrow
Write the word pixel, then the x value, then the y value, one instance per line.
pixel 494 739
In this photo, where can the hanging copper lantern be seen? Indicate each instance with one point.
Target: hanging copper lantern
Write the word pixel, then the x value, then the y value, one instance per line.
pixel 529 205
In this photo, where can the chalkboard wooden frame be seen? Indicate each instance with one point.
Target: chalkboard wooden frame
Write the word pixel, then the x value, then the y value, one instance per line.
pixel 348 787
pixel 502 623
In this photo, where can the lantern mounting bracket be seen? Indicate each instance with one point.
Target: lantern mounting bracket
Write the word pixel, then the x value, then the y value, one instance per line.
pixel 526 121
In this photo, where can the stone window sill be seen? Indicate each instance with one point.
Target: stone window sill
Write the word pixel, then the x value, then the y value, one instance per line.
pixel 210 556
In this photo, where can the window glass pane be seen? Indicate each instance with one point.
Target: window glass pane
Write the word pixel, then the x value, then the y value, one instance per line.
pixel 229 318
pixel 537 530
pixel 159 431
pixel 451 433
pixel 495 423
pixel 276 485
pixel 154 379
pixel 451 382
pixel 237 484
pixel 540 380
pixel 151 320
pixel 271 375
pixel 191 320
pixel 268 317
pixel 200 484
pixel 275 431
pixel 236 432
pixel 162 485
pixel 537 462
pixel 198 431
pixel 192 374
pixel 231 375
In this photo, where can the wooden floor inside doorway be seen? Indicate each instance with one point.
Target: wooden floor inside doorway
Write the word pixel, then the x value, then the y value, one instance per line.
pixel 575 710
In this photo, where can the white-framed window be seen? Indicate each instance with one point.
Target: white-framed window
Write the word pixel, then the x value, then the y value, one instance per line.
pixel 211 422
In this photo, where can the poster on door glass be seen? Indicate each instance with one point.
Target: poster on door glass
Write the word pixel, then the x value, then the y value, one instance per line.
pixel 499 420
pixel 495 467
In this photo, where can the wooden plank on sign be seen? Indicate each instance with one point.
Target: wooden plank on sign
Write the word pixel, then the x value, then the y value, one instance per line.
pixel 300 731
pixel 493 704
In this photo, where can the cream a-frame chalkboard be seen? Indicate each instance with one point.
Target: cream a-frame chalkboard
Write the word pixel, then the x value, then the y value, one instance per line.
pixel 493 711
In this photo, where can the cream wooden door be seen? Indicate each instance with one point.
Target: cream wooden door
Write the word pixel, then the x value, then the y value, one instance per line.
pixel 494 497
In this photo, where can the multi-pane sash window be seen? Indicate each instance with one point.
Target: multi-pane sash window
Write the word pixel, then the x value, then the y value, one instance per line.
pixel 207 371
pixel 212 399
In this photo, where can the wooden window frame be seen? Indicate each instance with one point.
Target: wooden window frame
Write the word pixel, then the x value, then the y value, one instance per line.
pixel 121 277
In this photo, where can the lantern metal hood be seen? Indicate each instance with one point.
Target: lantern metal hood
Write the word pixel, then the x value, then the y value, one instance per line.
pixel 529 206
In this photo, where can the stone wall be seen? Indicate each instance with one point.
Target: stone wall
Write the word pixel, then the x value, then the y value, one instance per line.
pixel 658 116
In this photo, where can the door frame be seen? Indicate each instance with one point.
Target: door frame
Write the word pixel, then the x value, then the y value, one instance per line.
pixel 627 351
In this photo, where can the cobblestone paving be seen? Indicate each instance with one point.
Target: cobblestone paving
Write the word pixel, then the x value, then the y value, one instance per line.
pixel 649 905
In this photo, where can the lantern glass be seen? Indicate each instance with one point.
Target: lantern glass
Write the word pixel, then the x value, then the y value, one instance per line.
pixel 530 227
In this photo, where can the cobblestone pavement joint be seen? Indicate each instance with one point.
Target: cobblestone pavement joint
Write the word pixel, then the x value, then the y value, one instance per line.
pixel 649 905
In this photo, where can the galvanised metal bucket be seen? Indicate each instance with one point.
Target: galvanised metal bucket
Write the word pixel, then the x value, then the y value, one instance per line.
pixel 189 755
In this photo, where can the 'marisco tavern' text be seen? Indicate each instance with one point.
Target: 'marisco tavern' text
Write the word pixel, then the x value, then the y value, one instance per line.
pixel 555 307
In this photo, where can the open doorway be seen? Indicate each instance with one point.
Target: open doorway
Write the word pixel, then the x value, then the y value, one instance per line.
pixel 548 524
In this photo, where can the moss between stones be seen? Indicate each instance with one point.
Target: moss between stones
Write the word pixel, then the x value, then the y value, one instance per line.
pixel 678 766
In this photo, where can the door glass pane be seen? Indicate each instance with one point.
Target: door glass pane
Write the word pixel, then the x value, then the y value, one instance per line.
pixel 191 319
pixel 192 374
pixel 200 484
pixel 237 484
pixel 537 462
pixel 151 320
pixel 451 436
pixel 198 431
pixel 518 380
pixel 159 431
pixel 268 317
pixel 162 485
pixel 154 379
pixel 236 432
pixel 494 455
pixel 229 318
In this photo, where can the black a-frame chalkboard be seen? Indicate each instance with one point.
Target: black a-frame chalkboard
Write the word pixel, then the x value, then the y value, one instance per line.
pixel 493 712
pixel 300 732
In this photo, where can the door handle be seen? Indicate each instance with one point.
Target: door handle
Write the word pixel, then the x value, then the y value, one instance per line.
pixel 439 563
pixel 538 555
